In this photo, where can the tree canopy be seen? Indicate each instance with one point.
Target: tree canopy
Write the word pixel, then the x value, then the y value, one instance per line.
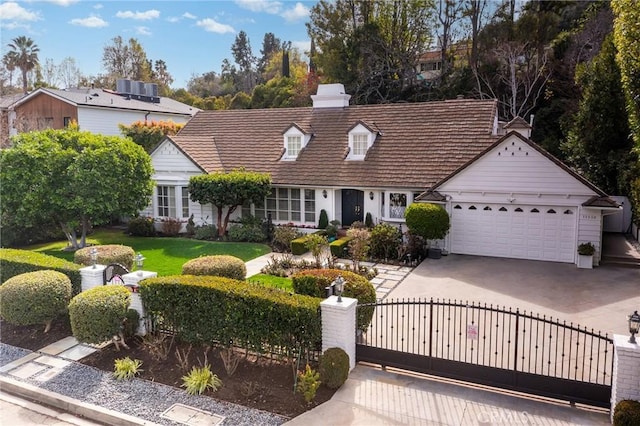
pixel 75 179
pixel 148 134
pixel 23 56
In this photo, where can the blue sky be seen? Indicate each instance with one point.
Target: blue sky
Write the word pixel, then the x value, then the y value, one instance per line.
pixel 192 37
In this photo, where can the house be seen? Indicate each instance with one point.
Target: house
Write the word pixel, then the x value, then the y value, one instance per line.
pixel 506 196
pixel 95 110
pixel 5 112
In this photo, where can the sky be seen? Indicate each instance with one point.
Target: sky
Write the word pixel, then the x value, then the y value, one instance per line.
pixel 192 37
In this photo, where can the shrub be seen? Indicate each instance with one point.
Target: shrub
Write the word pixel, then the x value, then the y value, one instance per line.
pixel 308 383
pixel 586 249
pixel 384 241
pixel 97 314
pixel 170 226
pixel 219 265
pixel 200 379
pixel 15 262
pixel 249 233
pixel 332 229
pixel 626 413
pixel 340 247
pixel 35 298
pixel 107 254
pixel 141 227
pixel 205 232
pixel 126 368
pixel 313 282
pixel 191 226
pixel 315 243
pixel 334 367
pixel 358 246
pixel 368 221
pixel 323 221
pixel 283 235
pixel 203 309
pixel 427 220
pixel 131 323
pixel 298 246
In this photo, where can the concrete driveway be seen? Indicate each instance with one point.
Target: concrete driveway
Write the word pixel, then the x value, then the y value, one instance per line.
pixel 599 298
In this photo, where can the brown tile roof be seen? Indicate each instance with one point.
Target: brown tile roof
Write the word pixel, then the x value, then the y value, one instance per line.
pixel 602 202
pixel 418 143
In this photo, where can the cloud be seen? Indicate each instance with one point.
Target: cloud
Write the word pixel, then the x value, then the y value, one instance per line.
pixel 98 6
pixel 140 16
pixel 12 11
pixel 90 22
pixel 296 13
pixel 173 19
pixel 212 26
pixel 267 6
pixel 187 15
pixel 302 45
pixel 63 3
pixel 143 31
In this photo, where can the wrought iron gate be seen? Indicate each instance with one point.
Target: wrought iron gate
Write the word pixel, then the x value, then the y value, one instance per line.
pixel 491 346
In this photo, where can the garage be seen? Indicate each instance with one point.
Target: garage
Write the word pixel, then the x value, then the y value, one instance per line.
pixel 535 232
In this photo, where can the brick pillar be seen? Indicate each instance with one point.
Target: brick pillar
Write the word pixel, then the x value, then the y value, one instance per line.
pixel 92 277
pixel 625 381
pixel 339 326
pixel 132 281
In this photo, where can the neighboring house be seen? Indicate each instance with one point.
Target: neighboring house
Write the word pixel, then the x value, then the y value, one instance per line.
pixel 95 110
pixel 6 115
pixel 429 66
pixel 506 196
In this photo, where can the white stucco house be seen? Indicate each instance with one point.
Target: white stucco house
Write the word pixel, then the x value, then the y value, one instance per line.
pixel 506 196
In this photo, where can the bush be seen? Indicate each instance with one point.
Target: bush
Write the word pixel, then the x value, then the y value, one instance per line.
pixel 340 247
pixel 205 309
pixel 220 265
pixel 15 262
pixel 107 254
pixel 170 227
pixel 384 241
pixel 299 246
pixel 283 235
pixel 586 249
pixel 35 298
pixel 368 221
pixel 97 314
pixel 249 233
pixel 141 227
pixel 313 282
pixel 358 246
pixel 323 221
pixel 427 220
pixel 205 232
pixel 626 413
pixel 200 379
pixel 334 367
pixel 315 243
pixel 308 383
pixel 126 368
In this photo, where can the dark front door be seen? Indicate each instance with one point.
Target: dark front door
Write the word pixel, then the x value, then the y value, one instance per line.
pixel 352 206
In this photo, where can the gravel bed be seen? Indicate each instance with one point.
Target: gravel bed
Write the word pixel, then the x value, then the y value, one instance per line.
pixel 140 398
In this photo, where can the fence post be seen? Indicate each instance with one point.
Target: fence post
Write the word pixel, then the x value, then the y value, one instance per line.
pixel 625 380
pixel 92 276
pixel 339 326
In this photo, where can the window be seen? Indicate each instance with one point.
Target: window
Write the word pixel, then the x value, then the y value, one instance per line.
pixel 294 145
pixel 285 205
pixel 360 144
pixel 185 202
pixel 502 209
pixel 457 207
pixel 66 121
pixel 397 205
pixel 309 205
pixel 166 201
pixel 44 122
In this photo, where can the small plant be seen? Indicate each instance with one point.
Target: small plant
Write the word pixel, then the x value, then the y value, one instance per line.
pixel 358 246
pixel 315 243
pixel 191 226
pixel 368 220
pixel 282 237
pixel 249 388
pixel 158 345
pixel 626 413
pixel 308 383
pixel 182 355
pixel 332 229
pixel 171 227
pixel 126 368
pixel 334 367
pixel 586 249
pixel 323 221
pixel 200 379
pixel 230 360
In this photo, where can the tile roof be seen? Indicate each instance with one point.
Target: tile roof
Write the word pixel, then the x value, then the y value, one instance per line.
pixel 418 143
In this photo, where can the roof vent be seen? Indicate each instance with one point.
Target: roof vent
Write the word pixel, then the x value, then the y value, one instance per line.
pixel 330 96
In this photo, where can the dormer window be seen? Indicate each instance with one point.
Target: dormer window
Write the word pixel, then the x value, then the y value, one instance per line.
pixel 360 144
pixel 295 139
pixel 361 138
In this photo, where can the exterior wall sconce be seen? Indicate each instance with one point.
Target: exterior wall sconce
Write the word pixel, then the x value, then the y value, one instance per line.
pixel 371 195
pixel 634 326
pixel 324 193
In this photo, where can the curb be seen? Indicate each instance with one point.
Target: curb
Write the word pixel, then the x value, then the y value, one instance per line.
pixel 70 405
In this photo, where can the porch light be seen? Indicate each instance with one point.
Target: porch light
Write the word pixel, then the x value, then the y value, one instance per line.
pixel 371 195
pixel 139 262
pixel 634 326
pixel 324 193
pixel 338 286
pixel 94 256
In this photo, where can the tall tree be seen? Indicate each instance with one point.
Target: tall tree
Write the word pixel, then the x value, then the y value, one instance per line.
pixel 126 60
pixel 270 45
pixel 24 56
pixel 243 56
pixel 68 73
pixel 449 13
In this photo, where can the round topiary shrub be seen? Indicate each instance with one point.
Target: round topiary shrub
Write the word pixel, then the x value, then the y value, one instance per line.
pixel 109 253
pixel 626 413
pixel 334 368
pixel 35 298
pixel 97 314
pixel 221 266
pixel 313 282
pixel 429 221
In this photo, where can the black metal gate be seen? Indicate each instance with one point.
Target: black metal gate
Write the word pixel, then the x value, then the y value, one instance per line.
pixel 491 346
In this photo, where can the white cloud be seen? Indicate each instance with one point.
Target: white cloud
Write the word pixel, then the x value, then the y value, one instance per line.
pixel 296 13
pixel 173 19
pixel 143 31
pixel 63 3
pixel 267 6
pixel 212 26
pixel 189 15
pixel 141 16
pixel 12 11
pixel 98 6
pixel 302 45
pixel 90 22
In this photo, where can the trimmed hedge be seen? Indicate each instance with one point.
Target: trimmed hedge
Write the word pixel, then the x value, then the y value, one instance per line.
pixel 15 262
pixel 35 297
pixel 298 246
pixel 108 253
pixel 338 246
pixel 626 413
pixel 218 265
pixel 206 309
pixel 334 367
pixel 97 314
pixel 313 282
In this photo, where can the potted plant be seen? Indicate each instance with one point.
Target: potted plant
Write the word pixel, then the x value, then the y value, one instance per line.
pixel 429 221
pixel 332 230
pixel 585 255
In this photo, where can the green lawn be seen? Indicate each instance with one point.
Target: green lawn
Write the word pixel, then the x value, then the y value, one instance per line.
pixel 272 281
pixel 163 255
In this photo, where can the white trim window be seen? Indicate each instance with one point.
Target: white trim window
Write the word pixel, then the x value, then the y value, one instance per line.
pixel 185 201
pixel 294 140
pixel 360 144
pixel 397 205
pixel 294 145
pixel 166 201
pixel 286 205
pixel 361 138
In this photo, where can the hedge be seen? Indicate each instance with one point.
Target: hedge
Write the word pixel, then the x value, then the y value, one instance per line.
pixel 208 309
pixel 107 254
pixel 218 265
pixel 15 262
pixel 97 314
pixel 298 245
pixel 338 246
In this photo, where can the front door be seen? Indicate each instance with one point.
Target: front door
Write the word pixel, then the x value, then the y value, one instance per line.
pixel 352 206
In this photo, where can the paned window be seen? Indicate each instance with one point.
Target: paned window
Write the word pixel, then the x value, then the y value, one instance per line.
pixel 185 202
pixel 397 205
pixel 166 201
pixel 360 144
pixel 285 205
pixel 294 145
pixel 309 205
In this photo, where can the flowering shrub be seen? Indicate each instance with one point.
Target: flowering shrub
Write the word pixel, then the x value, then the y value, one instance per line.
pixel 170 226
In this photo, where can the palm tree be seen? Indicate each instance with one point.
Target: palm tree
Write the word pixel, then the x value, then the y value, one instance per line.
pixel 23 55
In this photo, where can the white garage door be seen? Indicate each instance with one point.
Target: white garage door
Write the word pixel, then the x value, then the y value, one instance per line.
pixel 517 231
